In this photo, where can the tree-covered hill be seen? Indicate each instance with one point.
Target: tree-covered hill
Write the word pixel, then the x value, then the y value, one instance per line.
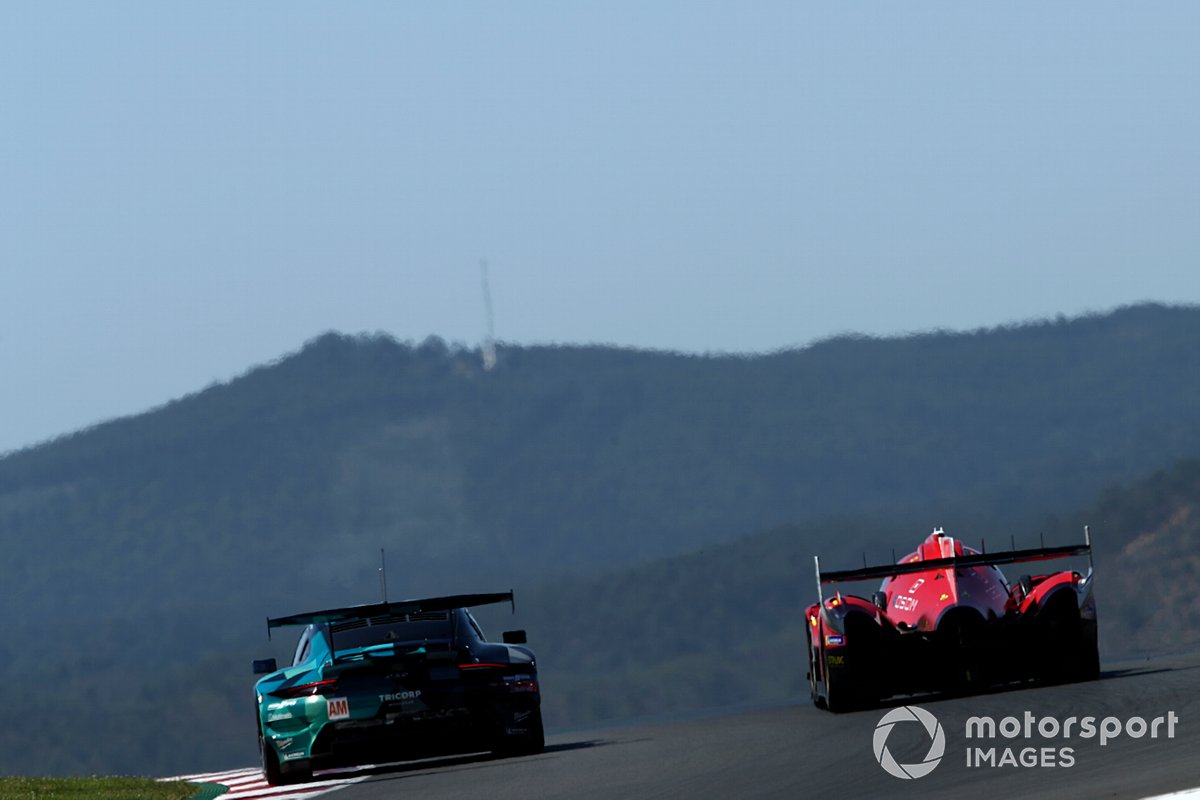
pixel 136 548
pixel 583 457
pixel 1153 564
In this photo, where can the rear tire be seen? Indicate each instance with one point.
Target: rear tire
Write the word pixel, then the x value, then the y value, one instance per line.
pixel 855 683
pixel 529 743
pixel 535 740
pixel 1089 656
pixel 274 773
pixel 270 762
pixel 1067 649
pixel 841 694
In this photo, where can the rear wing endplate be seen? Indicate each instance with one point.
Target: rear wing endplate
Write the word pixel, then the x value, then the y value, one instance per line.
pixel 955 562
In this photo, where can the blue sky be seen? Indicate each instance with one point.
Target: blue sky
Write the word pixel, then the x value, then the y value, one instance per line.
pixel 187 190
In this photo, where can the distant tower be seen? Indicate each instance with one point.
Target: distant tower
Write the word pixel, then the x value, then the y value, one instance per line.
pixel 489 342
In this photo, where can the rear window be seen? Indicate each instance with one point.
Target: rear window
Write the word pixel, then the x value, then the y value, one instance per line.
pixel 401 628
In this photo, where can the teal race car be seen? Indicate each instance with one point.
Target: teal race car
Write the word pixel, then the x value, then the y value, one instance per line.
pixel 388 682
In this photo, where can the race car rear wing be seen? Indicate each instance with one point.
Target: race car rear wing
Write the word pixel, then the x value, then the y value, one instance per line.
pixel 955 562
pixel 370 610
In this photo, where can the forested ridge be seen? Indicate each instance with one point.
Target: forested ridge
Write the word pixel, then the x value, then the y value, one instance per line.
pixel 656 512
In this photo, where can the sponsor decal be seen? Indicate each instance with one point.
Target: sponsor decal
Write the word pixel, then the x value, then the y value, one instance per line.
pixel 937 743
pixel 834 640
pixel 337 708
pixel 291 756
pixel 279 716
pixel 440 713
pixel 836 661
pixel 905 603
pixel 284 744
pixel 400 696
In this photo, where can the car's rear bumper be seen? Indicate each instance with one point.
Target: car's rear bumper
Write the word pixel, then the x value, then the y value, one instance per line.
pixel 450 731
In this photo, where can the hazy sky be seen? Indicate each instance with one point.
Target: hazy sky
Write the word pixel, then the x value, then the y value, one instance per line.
pixel 190 189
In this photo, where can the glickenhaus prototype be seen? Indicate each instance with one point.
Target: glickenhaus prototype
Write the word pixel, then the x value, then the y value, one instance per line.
pixel 395 681
pixel 945 619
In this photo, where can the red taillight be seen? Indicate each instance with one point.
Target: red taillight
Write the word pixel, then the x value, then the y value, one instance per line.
pixel 527 687
pixel 483 666
pixel 308 689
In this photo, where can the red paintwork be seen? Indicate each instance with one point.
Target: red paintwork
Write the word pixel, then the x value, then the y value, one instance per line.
pixel 914 604
pixel 1042 584
pixel 917 601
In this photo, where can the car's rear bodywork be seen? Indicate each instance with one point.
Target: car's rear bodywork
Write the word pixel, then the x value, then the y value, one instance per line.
pixel 946 619
pixel 395 681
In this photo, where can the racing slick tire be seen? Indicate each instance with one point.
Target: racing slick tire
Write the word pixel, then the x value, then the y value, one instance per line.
pixel 853 682
pixel 278 775
pixel 1067 648
pixel 529 743
pixel 840 694
pixel 1089 668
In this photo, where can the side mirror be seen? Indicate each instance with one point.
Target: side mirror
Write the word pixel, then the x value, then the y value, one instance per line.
pixel 880 600
pixel 515 637
pixel 265 666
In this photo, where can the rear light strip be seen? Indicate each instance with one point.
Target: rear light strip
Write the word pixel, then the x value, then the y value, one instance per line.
pixel 308 689
pixel 483 666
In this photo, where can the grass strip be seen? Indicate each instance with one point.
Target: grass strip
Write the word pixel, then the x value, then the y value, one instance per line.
pixel 102 789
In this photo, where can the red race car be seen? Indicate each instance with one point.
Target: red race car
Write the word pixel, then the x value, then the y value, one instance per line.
pixel 945 619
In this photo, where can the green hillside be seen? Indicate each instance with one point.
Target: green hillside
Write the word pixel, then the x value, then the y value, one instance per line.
pixel 1154 564
pixel 142 547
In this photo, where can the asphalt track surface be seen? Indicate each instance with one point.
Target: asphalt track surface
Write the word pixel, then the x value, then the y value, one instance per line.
pixel 797 751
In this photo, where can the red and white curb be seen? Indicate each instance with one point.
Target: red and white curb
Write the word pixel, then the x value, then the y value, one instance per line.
pixel 249 783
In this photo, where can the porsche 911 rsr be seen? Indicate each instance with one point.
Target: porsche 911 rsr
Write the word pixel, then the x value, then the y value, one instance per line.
pixel 945 619
pixel 395 681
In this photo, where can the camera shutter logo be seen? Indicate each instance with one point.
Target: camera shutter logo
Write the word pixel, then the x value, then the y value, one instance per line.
pixel 937 746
